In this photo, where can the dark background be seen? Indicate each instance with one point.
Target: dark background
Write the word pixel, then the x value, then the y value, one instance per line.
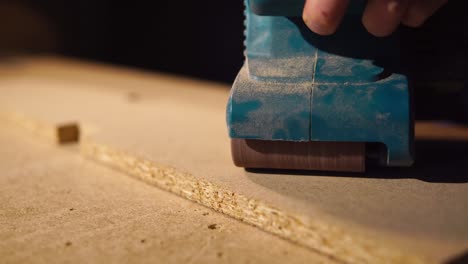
pixel 203 39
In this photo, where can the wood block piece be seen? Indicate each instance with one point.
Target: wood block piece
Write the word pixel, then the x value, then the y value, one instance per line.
pixel 68 133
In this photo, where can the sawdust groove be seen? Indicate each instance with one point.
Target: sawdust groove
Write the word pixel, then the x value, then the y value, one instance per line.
pixel 316 234
pixel 63 133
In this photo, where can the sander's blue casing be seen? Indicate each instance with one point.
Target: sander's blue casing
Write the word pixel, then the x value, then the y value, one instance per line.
pixel 298 86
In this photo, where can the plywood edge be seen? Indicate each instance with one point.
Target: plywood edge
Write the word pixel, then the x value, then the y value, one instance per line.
pixel 59 133
pixel 317 234
pixel 440 131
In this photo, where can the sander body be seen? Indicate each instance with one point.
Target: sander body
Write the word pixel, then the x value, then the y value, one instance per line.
pixel 310 102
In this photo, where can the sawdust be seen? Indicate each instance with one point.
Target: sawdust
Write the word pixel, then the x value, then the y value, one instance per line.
pixel 64 133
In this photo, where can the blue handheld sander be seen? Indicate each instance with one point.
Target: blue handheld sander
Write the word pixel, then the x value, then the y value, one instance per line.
pixel 309 102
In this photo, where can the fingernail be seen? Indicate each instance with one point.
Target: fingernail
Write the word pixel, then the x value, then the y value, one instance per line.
pixel 323 16
pixel 315 24
pixel 394 7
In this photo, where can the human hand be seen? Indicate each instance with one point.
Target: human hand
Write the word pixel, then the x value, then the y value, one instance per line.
pixel 380 18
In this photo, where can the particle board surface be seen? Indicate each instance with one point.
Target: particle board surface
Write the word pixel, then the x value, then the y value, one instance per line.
pixel 171 132
pixel 57 207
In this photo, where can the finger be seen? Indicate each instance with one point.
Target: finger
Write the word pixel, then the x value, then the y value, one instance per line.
pixel 324 16
pixel 382 17
pixel 420 10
